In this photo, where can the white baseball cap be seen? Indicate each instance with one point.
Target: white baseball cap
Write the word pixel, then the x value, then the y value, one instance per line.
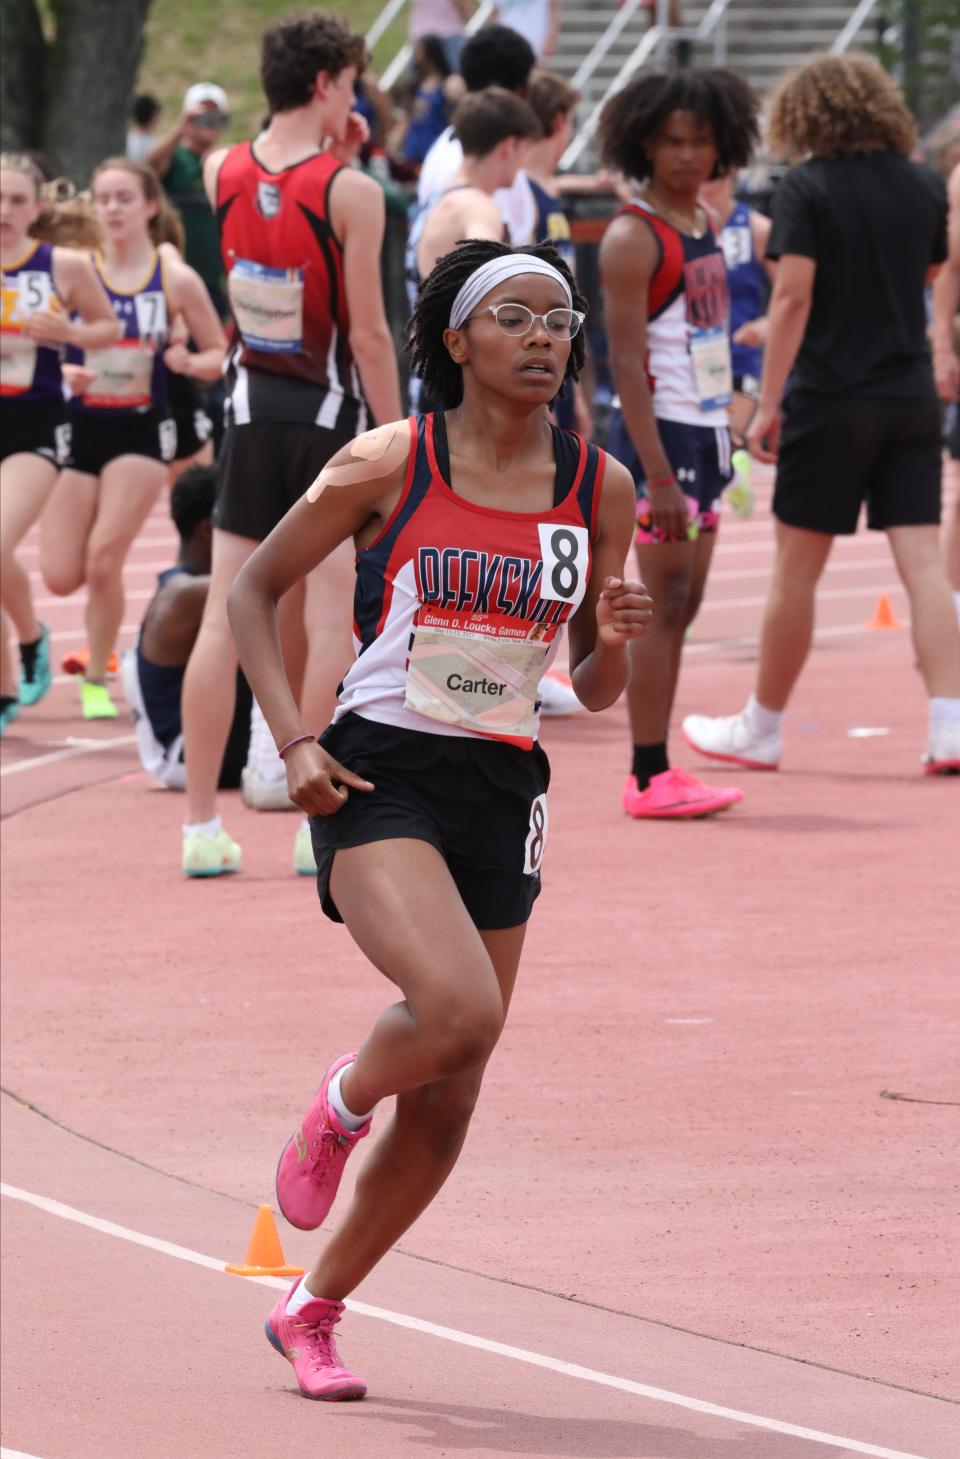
pixel 205 91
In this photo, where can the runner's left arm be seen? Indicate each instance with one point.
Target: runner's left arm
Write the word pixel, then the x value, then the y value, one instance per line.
pixel 189 298
pixel 615 609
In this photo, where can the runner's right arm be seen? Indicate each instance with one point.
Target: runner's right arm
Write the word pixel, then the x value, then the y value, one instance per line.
pixel 358 215
pixel 353 496
pixel 628 259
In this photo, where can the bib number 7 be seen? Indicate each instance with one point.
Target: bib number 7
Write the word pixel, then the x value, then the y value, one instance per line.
pixel 566 562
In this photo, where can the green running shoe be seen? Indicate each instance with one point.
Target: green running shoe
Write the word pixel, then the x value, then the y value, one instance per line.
pixel 95 701
pixel 35 676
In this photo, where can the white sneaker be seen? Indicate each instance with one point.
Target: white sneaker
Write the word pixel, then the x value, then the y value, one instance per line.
pixel 557 695
pixel 262 794
pixel 731 740
pixel 943 750
pixel 205 855
pixel 304 861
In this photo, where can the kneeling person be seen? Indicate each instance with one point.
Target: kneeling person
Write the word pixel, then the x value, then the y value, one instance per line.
pixel 153 671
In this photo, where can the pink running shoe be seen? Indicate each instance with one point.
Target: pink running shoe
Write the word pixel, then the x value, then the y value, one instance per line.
pixel 675 795
pixel 306 1340
pixel 310 1167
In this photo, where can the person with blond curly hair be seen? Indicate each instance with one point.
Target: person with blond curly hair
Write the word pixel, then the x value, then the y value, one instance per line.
pixel 859 231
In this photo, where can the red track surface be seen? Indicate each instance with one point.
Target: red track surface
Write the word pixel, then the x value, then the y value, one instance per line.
pixel 683 1172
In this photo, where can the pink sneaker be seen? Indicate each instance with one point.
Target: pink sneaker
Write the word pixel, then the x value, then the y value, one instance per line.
pixel 312 1161
pixel 306 1340
pixel 675 795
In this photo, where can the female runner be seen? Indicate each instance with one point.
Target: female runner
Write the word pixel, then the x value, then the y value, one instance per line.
pixel 43 286
pixel 480 531
pixel 122 437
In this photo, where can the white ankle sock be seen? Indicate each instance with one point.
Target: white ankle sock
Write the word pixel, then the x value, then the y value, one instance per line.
pixel 346 1116
pixel 300 1296
pixel 944 711
pixel 205 828
pixel 262 755
pixel 762 722
pixel 956 599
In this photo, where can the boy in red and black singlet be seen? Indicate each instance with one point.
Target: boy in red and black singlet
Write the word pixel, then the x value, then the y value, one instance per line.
pixel 481 532
pixel 667 315
pixel 312 363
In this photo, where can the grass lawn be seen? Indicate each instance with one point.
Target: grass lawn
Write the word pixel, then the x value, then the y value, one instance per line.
pixel 187 42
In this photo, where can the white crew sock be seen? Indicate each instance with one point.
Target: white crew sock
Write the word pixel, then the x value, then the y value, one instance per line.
pixel 945 711
pixel 299 1297
pixel 205 828
pixel 762 722
pixel 956 600
pixel 346 1116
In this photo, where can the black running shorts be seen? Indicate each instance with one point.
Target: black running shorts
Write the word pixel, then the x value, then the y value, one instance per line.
pixel 34 428
pixel 97 440
pixel 481 803
pixel 264 467
pixel 837 452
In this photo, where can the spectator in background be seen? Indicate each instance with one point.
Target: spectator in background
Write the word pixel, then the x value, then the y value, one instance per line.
pixel 495 56
pixel 683 53
pixel 444 19
pixel 178 161
pixel 144 113
pixel 433 94
pixel 538 21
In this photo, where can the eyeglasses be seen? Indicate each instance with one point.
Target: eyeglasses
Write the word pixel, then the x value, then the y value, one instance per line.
pixel 517 319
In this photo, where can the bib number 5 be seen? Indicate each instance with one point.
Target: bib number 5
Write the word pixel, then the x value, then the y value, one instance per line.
pixel 536 836
pixel 566 562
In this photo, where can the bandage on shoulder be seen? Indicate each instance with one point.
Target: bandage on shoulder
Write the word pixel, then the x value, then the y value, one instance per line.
pixel 374 454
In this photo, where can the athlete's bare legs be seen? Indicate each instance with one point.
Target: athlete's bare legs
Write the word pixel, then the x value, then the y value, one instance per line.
pixel 675 574
pixel 26 481
pixel 933 617
pixel 402 908
pixel 788 617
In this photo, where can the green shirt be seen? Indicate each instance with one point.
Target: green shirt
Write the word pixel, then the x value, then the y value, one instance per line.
pixel 183 183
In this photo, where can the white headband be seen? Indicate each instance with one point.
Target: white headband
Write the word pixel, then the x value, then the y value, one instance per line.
pixel 488 275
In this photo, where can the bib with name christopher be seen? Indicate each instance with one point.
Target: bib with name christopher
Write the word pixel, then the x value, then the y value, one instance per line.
pixel 459 608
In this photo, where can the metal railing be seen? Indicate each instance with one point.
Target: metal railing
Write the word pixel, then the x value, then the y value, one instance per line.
pixel 856 22
pixel 395 69
pixel 656 40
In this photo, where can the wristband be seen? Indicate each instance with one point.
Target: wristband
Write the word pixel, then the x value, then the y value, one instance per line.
pixel 656 483
pixel 300 740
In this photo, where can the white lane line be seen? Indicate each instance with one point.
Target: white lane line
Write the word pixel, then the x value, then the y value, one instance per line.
pixel 467 1339
pixel 825 595
pixel 15 1454
pixel 721 645
pixel 68 753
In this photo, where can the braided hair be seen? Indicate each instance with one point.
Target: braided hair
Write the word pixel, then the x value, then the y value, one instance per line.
pixel 429 357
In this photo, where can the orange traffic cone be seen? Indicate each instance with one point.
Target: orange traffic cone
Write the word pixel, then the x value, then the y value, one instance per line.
pixel 265 1254
pixel 883 615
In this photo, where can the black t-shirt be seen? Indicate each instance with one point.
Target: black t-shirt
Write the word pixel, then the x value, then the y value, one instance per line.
pixel 874 224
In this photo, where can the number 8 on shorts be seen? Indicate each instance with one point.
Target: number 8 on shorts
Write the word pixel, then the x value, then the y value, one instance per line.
pixel 536 837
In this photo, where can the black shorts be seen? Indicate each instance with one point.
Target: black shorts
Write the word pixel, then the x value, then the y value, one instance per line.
pixel 700 458
pixel 264 467
pixel 481 803
pixel 95 440
pixel 837 452
pixel 35 428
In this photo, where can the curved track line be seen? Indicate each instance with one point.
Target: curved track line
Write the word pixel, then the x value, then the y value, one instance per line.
pixel 466 1339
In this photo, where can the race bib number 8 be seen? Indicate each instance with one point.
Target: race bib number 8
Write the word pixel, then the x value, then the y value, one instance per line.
pixel 566 562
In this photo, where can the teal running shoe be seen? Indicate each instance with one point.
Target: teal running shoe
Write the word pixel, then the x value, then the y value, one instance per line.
pixel 35 675
pixel 7 715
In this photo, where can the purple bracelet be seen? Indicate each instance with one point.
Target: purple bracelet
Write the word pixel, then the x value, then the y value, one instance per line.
pixel 300 740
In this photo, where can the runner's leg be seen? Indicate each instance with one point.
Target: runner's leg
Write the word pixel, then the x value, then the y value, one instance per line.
pixel 129 487
pixel 210 681
pixel 26 481
pixel 933 617
pixel 64 529
pixel 788 617
pixel 402 907
pixel 667 569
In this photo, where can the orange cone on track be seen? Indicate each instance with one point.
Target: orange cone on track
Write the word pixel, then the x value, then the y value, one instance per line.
pixel 883 615
pixel 265 1254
